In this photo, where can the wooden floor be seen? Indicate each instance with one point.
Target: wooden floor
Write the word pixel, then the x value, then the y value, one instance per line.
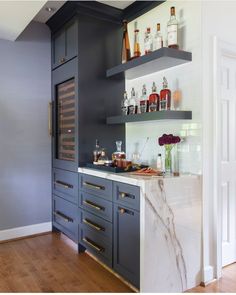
pixel 226 284
pixel 50 263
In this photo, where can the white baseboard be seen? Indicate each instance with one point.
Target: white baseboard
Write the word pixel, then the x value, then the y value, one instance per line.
pixel 208 274
pixel 18 232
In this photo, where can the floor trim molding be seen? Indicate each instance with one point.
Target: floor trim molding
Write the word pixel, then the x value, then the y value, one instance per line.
pixel 24 231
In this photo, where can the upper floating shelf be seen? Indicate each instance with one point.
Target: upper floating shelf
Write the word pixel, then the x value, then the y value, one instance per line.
pixel 158 60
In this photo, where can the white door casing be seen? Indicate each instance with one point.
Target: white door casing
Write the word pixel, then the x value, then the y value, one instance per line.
pixel 225 152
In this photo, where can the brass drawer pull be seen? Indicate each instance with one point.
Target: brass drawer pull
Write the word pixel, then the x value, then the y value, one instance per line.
pixel 93 245
pixel 95 206
pixel 63 184
pixel 62 60
pixel 91 185
pixel 93 225
pixel 123 211
pixel 125 195
pixel 62 216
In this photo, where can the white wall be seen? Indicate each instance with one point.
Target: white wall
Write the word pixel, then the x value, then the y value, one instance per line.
pixel 217 20
pixel 187 76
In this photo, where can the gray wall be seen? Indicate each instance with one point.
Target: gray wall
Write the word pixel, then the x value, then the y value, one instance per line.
pixel 25 151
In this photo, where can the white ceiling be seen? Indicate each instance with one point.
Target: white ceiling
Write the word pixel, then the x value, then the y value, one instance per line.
pixel 43 15
pixel 16 15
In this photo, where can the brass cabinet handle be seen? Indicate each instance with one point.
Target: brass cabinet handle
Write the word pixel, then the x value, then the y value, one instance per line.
pixel 122 210
pixel 63 184
pixel 62 60
pixel 50 118
pixel 91 204
pixel 126 211
pixel 123 195
pixel 93 245
pixel 91 185
pixel 126 195
pixel 93 225
pixel 62 216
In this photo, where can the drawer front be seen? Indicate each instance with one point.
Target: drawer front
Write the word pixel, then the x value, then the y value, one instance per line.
pixel 127 195
pixel 65 217
pixel 96 224
pixel 65 185
pixel 96 205
pixel 96 185
pixel 96 244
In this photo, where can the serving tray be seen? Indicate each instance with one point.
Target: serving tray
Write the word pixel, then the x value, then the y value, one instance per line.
pixel 113 169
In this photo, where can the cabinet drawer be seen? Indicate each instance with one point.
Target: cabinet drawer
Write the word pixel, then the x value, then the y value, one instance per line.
pixel 97 245
pixel 65 217
pixel 96 205
pixel 96 224
pixel 96 185
pixel 65 185
pixel 127 195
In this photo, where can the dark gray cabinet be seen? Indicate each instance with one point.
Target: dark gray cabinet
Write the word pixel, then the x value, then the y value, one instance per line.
pixel 64 44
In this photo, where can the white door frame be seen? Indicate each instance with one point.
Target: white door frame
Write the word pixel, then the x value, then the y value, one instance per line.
pixel 220 48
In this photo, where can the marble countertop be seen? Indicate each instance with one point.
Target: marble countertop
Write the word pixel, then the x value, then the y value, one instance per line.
pixel 130 178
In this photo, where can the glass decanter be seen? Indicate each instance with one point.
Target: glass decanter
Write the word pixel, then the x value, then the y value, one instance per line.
pixel 118 154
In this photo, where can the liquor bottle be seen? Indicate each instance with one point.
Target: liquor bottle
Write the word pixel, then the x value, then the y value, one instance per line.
pixel 143 105
pixel 103 158
pixel 137 51
pixel 165 97
pixel 159 163
pixel 125 104
pixel 118 154
pixel 158 40
pixel 148 42
pixel 172 30
pixel 125 46
pixel 154 99
pixel 96 152
pixel 133 103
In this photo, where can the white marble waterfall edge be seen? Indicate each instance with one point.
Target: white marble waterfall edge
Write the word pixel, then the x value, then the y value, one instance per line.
pixel 170 230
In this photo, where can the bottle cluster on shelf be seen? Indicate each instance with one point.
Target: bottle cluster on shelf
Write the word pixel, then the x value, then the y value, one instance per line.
pixel 151 41
pixel 147 102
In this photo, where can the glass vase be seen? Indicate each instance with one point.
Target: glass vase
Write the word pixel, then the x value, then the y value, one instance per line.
pixel 168 158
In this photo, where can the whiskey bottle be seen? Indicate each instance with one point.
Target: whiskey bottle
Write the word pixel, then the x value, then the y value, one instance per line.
pixel 148 42
pixel 125 104
pixel 144 101
pixel 133 103
pixel 125 45
pixel 154 99
pixel 165 97
pixel 96 152
pixel 118 154
pixel 172 30
pixel 158 40
pixel 137 51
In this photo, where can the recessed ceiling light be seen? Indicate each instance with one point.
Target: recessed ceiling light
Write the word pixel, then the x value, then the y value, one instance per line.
pixel 50 9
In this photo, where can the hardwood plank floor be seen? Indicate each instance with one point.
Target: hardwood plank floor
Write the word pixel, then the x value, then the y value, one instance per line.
pixel 226 284
pixel 50 263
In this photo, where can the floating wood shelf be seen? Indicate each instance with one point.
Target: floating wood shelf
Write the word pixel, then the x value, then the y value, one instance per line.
pixel 158 60
pixel 162 115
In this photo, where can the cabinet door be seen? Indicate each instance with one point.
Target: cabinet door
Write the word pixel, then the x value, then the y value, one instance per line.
pixel 127 243
pixel 71 40
pixel 65 127
pixel 58 48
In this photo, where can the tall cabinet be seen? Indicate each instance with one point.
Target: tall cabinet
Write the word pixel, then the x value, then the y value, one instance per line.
pixel 84 45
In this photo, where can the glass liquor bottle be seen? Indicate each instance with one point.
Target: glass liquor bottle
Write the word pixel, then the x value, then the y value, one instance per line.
pixel 154 99
pixel 137 51
pixel 103 157
pixel 165 97
pixel 125 104
pixel 133 103
pixel 125 45
pixel 96 152
pixel 148 42
pixel 158 40
pixel 172 30
pixel 118 154
pixel 144 101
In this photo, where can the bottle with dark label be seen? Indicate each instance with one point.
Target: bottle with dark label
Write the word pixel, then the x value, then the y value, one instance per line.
pixel 125 104
pixel 148 42
pixel 125 45
pixel 165 97
pixel 172 30
pixel 144 101
pixel 154 99
pixel 137 51
pixel 96 152
pixel 133 107
pixel 158 40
